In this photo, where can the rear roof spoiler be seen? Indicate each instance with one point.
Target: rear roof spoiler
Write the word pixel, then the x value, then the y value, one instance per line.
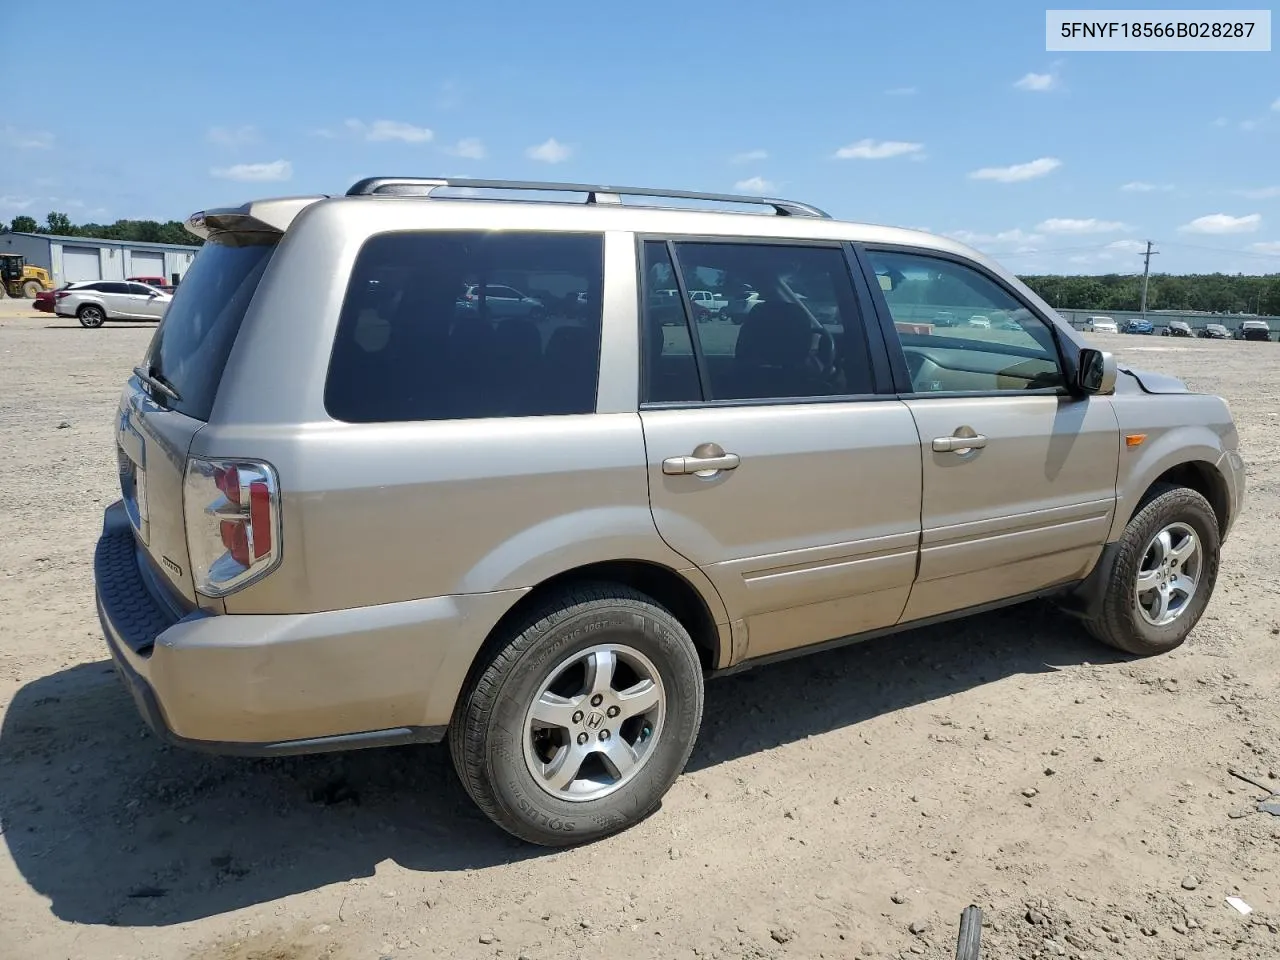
pixel 259 216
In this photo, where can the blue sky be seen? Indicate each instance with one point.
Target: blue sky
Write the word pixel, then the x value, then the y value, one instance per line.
pixel 946 116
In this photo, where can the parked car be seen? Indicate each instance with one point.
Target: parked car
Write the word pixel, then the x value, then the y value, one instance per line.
pixel 1253 330
pixel 712 303
pixel 944 318
pixel 500 300
pixel 44 301
pixel 1138 325
pixel 1215 331
pixel 540 549
pixel 160 283
pixel 1100 325
pixel 1176 328
pixel 97 301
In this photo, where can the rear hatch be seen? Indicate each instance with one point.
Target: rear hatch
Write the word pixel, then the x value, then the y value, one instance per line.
pixel 170 395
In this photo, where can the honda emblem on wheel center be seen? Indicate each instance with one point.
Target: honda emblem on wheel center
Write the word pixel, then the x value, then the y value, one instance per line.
pixel 594 719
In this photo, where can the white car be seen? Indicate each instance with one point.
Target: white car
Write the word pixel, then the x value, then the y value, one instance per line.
pixel 1100 325
pixel 93 302
pixel 709 301
pixel 978 320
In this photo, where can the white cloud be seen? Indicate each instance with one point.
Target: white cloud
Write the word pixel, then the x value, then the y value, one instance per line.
pixel 1220 122
pixel 383 130
pixel 273 172
pixel 878 149
pixel 469 148
pixel 902 91
pixel 1019 171
pixel 550 151
pixel 1250 125
pixel 232 136
pixel 1276 105
pixel 751 156
pixel 1223 223
pixel 1139 186
pixel 1267 246
pixel 1014 237
pixel 1074 226
pixel 10 202
pixel 1263 193
pixel 1127 246
pixel 1037 82
pixel 11 136
pixel 754 185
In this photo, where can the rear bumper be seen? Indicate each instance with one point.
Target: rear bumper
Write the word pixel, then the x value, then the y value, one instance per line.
pixel 265 685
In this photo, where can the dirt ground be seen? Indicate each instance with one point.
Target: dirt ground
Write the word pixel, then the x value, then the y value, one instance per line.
pixel 848 804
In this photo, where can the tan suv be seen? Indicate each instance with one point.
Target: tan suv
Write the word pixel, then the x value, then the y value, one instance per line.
pixel 361 506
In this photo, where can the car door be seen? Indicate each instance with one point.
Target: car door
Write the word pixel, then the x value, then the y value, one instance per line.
pixel 145 302
pixel 116 299
pixel 773 465
pixel 1019 481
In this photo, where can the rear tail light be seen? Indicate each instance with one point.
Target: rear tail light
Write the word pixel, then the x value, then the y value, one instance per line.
pixel 232 509
pixel 59 294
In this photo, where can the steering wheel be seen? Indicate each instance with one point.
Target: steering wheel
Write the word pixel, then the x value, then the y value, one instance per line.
pixel 825 353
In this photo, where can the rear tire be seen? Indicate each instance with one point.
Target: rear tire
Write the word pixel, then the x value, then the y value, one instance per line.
pixel 1173 544
pixel 31 288
pixel 91 316
pixel 581 717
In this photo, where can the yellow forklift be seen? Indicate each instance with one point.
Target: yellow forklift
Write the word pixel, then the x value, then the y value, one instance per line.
pixel 19 279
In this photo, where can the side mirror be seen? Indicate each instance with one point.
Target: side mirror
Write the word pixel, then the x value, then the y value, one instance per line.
pixel 1097 372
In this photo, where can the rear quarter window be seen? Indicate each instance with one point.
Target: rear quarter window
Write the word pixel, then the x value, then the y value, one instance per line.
pixel 190 348
pixel 448 325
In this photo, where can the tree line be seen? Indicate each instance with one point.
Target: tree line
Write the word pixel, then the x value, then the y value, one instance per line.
pixel 1210 292
pixel 140 231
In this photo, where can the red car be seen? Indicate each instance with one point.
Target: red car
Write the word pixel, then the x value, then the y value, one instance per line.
pixel 44 301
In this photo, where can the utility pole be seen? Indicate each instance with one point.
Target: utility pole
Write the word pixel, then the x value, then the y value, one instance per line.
pixel 1146 275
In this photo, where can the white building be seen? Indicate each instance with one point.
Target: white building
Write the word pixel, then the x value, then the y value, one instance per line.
pixel 83 258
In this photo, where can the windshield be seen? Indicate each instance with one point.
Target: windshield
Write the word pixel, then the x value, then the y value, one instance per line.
pixel 191 345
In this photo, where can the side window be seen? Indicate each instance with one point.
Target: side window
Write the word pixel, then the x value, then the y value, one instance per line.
pixel 138 290
pixel 790 327
pixel 671 371
pixel 416 341
pixel 113 287
pixel 961 331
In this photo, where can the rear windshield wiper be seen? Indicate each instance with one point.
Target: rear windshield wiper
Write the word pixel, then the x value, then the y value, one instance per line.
pixel 157 383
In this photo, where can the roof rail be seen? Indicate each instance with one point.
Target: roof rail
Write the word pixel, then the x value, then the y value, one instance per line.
pixel 596 193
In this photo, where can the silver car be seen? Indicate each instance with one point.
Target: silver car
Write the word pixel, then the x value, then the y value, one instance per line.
pixel 94 302
pixel 353 515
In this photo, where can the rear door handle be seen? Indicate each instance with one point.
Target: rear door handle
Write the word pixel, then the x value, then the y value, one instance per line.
pixel 957 444
pixel 676 466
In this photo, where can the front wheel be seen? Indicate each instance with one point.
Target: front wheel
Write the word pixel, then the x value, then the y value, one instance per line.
pixel 31 288
pixel 1164 574
pixel 91 316
pixel 581 721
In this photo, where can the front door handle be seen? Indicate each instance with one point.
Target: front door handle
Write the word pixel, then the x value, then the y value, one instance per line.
pixel 707 458
pixel 958 444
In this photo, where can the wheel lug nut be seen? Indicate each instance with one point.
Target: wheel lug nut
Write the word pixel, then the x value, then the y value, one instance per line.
pixel 612 711
pixel 582 738
pixel 597 700
pixel 577 717
pixel 604 734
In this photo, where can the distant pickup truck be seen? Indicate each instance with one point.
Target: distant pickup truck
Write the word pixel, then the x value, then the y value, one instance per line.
pixel 1253 330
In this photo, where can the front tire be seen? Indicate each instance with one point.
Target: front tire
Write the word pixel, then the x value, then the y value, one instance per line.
pixel 581 719
pixel 1164 574
pixel 31 288
pixel 91 316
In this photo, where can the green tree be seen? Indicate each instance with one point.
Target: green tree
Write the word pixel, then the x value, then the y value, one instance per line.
pixel 24 224
pixel 58 223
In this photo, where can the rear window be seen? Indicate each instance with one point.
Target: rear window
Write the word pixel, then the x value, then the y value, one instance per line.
pixel 192 342
pixel 460 325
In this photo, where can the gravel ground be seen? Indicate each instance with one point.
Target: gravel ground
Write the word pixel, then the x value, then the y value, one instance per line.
pixel 1081 799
